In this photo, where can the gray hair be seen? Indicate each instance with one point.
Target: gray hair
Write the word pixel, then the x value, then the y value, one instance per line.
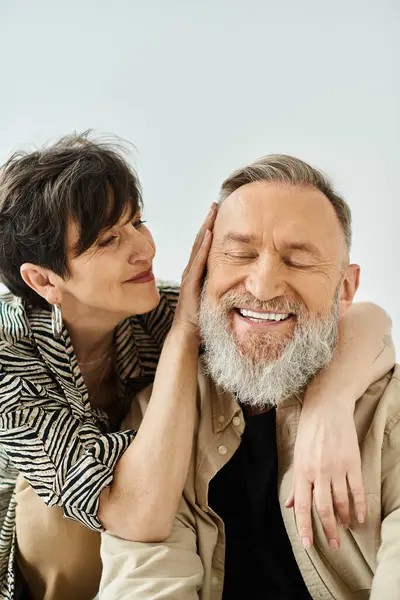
pixel 263 370
pixel 291 171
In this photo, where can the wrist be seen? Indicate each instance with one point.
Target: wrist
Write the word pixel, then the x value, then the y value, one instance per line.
pixel 340 398
pixel 340 401
pixel 185 333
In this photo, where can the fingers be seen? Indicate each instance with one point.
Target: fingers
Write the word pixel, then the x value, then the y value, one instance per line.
pixel 290 499
pixel 340 497
pixel 330 499
pixel 324 507
pixel 356 486
pixel 302 509
pixel 207 224
pixel 199 261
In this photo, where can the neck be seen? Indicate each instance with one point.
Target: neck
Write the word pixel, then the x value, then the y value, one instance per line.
pixel 91 333
pixel 90 344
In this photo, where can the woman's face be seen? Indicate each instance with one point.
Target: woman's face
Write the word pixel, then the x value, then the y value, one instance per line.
pixel 114 277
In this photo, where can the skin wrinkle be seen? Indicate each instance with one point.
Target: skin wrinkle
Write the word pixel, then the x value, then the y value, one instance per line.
pixel 96 289
pixel 122 237
pixel 243 201
pixel 275 247
pixel 240 209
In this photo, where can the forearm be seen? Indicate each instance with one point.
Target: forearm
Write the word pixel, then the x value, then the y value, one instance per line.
pixel 149 478
pixel 365 352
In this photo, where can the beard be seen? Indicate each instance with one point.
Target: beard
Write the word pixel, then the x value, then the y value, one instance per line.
pixel 266 368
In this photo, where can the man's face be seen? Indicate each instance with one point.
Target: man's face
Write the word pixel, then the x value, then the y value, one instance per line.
pixel 277 257
pixel 276 285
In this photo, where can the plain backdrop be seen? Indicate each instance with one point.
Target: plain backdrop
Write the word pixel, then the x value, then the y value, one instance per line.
pixel 201 87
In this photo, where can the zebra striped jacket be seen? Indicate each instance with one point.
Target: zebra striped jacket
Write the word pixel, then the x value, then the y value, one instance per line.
pixel 48 431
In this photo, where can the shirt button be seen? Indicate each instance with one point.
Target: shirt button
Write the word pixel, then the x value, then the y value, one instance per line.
pixel 236 421
pixel 221 418
pixel 222 449
pixel 214 580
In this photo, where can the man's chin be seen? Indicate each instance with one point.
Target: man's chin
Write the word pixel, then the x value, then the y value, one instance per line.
pixel 261 350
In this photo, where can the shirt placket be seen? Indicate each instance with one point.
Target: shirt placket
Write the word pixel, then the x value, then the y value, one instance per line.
pixel 287 423
pixel 228 426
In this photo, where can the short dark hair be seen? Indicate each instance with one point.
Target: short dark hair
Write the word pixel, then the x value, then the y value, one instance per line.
pixel 77 179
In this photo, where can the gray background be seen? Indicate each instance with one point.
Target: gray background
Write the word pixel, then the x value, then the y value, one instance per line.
pixel 201 87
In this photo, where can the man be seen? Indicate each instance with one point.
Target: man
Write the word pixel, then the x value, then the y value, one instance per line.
pixel 278 279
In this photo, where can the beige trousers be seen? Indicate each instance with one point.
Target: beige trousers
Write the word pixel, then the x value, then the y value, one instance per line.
pixel 59 558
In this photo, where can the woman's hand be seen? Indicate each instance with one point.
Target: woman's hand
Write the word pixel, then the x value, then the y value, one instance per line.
pixel 327 457
pixel 327 464
pixel 133 506
pixel 186 314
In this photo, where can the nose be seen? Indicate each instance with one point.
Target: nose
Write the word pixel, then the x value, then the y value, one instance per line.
pixel 142 248
pixel 265 281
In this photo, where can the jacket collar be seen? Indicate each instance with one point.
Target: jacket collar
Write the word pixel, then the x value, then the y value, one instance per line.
pixel 59 356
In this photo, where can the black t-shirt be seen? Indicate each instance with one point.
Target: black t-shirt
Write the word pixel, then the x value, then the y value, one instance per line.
pixel 259 562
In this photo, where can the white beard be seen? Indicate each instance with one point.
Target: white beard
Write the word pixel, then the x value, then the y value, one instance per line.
pixel 254 377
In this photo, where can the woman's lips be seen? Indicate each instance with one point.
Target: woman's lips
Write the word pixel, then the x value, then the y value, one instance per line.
pixel 142 277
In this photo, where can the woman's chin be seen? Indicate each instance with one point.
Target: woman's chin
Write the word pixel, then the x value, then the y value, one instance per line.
pixel 145 302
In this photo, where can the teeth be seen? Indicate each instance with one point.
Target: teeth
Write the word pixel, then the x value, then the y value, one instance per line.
pixel 259 316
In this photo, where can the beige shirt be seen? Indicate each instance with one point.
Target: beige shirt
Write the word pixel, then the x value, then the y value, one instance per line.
pixel 190 563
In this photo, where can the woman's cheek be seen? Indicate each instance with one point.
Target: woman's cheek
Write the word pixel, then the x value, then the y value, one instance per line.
pixel 150 238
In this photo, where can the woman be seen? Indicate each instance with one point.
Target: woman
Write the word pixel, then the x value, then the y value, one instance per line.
pixel 83 330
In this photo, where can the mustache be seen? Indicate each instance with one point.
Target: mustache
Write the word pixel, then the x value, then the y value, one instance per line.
pixel 234 299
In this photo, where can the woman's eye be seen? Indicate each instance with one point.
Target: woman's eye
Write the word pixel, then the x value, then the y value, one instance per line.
pixel 107 242
pixel 138 223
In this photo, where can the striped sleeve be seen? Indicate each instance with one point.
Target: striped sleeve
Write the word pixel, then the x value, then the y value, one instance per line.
pixel 66 459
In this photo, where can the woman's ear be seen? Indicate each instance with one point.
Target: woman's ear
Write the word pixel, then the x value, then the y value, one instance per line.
pixel 349 287
pixel 40 280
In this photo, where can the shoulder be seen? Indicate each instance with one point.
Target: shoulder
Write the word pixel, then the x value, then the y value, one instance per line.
pixel 18 346
pixel 391 397
pixel 390 402
pixel 383 388
pixel 14 324
pixel 378 408
pixel 396 373
pixel 388 388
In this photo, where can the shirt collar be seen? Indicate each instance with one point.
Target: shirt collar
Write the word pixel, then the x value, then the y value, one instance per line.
pixel 224 406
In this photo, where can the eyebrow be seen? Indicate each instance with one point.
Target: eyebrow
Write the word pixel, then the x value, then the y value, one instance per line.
pixel 233 236
pixel 303 247
pixel 127 221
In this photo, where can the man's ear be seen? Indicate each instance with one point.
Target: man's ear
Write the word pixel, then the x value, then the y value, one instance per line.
pixel 41 280
pixel 349 286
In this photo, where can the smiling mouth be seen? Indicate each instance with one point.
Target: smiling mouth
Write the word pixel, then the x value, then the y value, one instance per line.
pixel 142 277
pixel 262 317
